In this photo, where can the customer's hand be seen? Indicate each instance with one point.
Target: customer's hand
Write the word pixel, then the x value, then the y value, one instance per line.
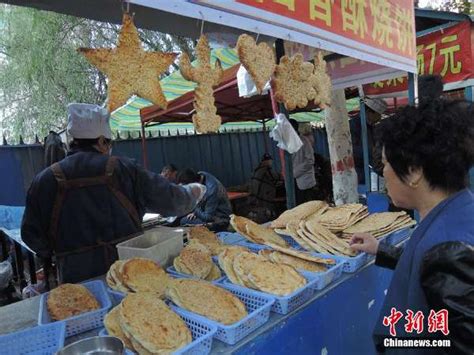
pixel 364 242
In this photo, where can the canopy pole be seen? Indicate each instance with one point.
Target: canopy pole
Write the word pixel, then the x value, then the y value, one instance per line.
pixel 144 150
pixel 287 162
pixel 265 138
pixel 412 89
pixel 365 144
pixel 469 95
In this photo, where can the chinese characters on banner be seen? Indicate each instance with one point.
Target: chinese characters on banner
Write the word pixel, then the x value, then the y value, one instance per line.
pixel 382 24
pixel 446 52
pixel 414 322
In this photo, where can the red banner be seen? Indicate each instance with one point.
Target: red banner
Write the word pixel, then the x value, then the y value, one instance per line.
pixel 386 25
pixel 446 52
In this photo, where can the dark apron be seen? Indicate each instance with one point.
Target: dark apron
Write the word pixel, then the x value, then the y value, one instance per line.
pixel 64 186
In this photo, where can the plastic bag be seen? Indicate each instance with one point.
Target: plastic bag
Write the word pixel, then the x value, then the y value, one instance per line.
pixel 6 274
pixel 246 85
pixel 285 136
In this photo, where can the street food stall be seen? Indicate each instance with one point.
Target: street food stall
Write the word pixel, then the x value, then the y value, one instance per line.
pixel 253 303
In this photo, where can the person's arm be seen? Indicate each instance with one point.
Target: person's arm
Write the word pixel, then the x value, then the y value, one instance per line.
pixel 161 196
pixel 33 229
pixel 447 279
pixel 385 255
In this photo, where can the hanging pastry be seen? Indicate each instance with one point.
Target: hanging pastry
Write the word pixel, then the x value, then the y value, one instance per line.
pixel 258 60
pixel 129 68
pixel 205 119
pixel 294 82
pixel 322 82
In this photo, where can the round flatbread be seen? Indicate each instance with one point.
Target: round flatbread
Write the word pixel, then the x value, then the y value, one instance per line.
pixel 112 324
pixel 226 261
pixel 151 326
pixel 144 275
pixel 204 298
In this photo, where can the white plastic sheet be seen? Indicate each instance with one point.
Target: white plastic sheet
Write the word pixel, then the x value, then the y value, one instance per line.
pixel 246 85
pixel 285 136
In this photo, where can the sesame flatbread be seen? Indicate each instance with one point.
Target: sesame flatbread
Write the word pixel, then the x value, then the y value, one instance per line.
pixel 205 237
pixel 69 300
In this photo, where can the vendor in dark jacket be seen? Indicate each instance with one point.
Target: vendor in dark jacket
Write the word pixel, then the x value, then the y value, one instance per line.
pixel 427 152
pixel 214 209
pixel 77 210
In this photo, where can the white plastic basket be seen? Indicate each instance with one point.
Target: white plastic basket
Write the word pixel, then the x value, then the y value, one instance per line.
pixel 161 244
pixel 85 321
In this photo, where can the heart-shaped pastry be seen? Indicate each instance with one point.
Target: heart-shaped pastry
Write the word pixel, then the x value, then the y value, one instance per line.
pixel 258 60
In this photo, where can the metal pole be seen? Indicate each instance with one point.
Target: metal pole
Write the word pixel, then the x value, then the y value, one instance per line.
pixel 469 95
pixel 145 153
pixel 365 144
pixel 288 161
pixel 412 88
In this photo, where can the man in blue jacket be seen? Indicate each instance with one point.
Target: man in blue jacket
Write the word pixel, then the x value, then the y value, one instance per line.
pixel 77 210
pixel 215 208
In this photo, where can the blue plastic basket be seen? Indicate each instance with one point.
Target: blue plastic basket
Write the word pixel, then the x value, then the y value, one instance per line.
pixel 258 307
pixel 252 246
pixel 230 238
pixel 353 263
pixel 40 340
pixel 202 332
pixel 115 296
pixel 325 278
pixel 286 304
pixel 171 270
pixel 82 322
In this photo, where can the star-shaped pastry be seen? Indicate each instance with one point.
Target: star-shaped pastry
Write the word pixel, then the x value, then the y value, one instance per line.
pixel 129 68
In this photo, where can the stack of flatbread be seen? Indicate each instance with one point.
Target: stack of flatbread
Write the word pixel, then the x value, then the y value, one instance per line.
pixel 336 219
pixel 322 240
pixel 137 275
pixel 68 300
pixel 254 232
pixel 380 224
pixel 196 260
pixel 299 213
pixel 147 325
pixel 298 259
pixel 210 301
pixel 255 271
pixel 205 237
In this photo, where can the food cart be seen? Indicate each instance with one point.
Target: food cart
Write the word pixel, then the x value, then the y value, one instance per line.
pixel 364 48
